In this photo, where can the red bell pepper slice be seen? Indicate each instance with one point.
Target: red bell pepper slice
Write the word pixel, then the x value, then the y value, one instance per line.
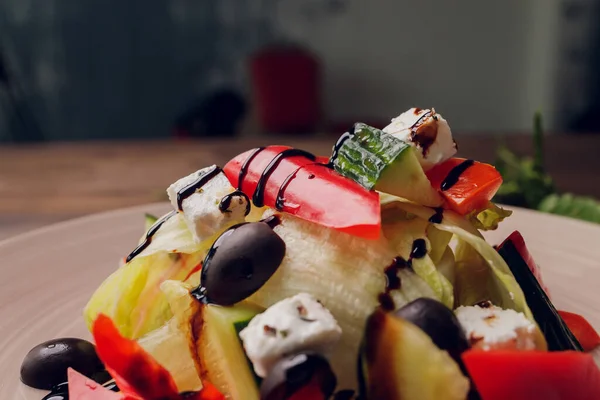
pixel 474 188
pixel 82 388
pixel 531 375
pixel 138 375
pixel 582 329
pixel 316 193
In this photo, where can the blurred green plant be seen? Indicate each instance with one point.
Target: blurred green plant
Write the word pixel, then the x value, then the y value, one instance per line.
pixel 526 183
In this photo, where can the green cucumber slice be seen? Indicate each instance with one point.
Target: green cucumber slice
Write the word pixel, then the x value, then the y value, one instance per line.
pixel 222 358
pixel 383 162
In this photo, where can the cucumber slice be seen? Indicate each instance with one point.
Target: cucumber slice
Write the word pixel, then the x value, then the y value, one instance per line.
pixel 221 357
pixel 382 162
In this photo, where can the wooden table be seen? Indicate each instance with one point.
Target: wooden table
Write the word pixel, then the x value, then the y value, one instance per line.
pixel 41 184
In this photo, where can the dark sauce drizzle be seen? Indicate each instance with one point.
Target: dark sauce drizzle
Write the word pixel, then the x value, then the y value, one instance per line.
pixel 246 165
pixel 392 282
pixel 419 249
pixel 190 189
pixel 438 216
pixel 226 202
pixel 149 235
pixel 280 200
pixel 259 192
pixel 338 145
pixel 454 174
pixel 272 221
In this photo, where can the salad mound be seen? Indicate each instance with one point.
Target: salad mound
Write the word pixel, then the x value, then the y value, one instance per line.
pixel 360 275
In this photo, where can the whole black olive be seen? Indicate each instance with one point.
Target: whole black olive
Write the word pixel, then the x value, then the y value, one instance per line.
pixel 308 373
pixel 46 364
pixel 439 322
pixel 240 261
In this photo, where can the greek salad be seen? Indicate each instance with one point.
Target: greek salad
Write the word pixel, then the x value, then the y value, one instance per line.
pixel 360 274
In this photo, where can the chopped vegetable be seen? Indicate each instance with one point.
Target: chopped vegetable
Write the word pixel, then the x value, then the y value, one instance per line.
pixel 131 295
pixel 489 218
pixel 473 189
pixel 380 161
pixel 220 353
pixel 346 273
pixel 517 375
pixel 400 361
pixel 312 192
pixel 582 329
pixel 557 333
pixel 83 388
pixel 135 371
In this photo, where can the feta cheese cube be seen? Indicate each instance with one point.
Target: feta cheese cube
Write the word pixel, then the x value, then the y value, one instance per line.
pixel 428 132
pixel 201 209
pixel 296 324
pixel 491 328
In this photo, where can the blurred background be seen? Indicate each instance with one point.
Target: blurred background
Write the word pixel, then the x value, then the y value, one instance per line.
pixel 113 69
pixel 104 103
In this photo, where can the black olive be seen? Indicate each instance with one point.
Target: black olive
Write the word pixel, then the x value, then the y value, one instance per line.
pixel 439 322
pixel 293 374
pixel 240 261
pixel 46 364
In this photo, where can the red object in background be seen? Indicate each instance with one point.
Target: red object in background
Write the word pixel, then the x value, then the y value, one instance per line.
pixel 286 85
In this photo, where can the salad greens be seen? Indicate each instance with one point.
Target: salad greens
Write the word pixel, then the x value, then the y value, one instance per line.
pixel 526 183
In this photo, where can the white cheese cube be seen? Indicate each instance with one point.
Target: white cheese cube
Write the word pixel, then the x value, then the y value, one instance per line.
pixel 491 328
pixel 201 208
pixel 296 324
pixel 428 132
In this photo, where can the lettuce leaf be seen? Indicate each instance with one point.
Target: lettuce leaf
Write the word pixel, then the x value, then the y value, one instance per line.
pixel 131 295
pixel 171 345
pixel 489 218
pixel 474 279
pixel 426 269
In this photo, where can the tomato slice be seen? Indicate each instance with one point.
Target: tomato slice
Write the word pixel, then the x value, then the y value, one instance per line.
pixel 307 189
pixel 582 329
pixel 82 388
pixel 531 375
pixel 474 187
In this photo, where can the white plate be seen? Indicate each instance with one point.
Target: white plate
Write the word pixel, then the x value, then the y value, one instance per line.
pixel 48 275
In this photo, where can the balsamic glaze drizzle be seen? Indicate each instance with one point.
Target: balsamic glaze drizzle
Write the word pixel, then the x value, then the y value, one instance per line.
pixel 272 221
pixel 280 200
pixel 338 145
pixel 392 282
pixel 246 165
pixel 454 174
pixel 200 181
pixel 149 235
pixel 259 192
pixel 226 202
pixel 438 216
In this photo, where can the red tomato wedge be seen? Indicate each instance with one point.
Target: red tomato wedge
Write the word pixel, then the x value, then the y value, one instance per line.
pixel 82 388
pixel 138 375
pixel 307 189
pixel 473 187
pixel 582 329
pixel 533 375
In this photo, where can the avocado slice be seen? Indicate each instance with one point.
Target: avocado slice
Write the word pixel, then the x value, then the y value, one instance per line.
pixel 380 161
pixel 399 361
